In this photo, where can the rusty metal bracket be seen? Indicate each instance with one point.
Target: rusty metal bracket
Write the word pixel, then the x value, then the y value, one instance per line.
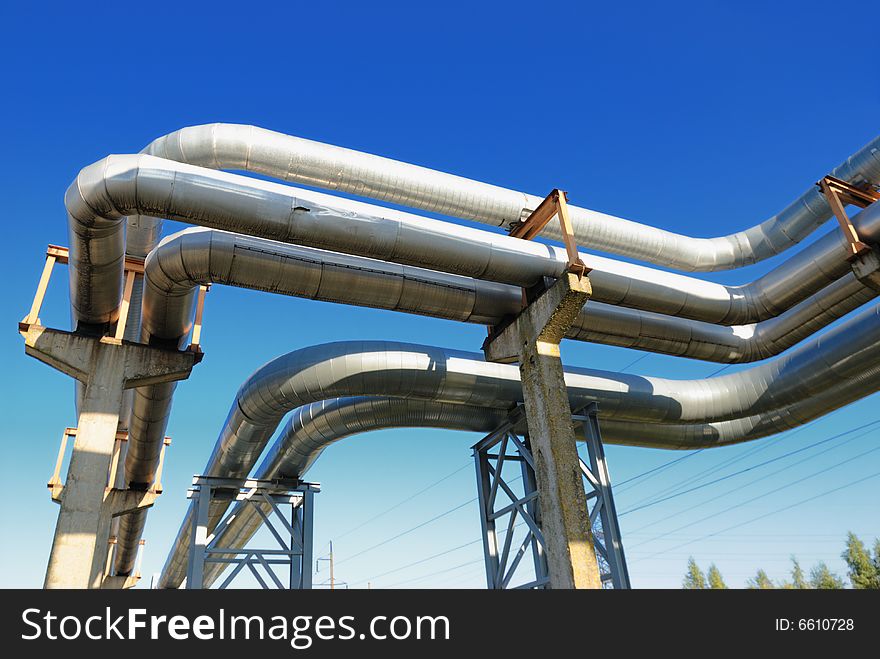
pixel 122 501
pixel 195 343
pixel 839 194
pixel 56 254
pixel 114 582
pixel 554 204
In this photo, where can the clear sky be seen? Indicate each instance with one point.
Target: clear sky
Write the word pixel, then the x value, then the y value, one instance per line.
pixel 701 118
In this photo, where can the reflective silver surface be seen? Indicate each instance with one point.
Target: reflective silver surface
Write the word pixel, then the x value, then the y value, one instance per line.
pixel 312 428
pixel 297 160
pixel 120 185
pixel 845 359
pixel 762 317
pixel 199 256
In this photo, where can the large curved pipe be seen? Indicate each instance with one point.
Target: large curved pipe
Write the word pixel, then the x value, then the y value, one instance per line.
pixel 845 355
pixel 198 256
pixel 117 186
pixel 312 428
pixel 297 160
pixel 99 239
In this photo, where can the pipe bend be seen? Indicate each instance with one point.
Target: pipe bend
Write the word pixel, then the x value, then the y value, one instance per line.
pixel 305 162
pixel 841 365
pixel 314 427
pixel 235 203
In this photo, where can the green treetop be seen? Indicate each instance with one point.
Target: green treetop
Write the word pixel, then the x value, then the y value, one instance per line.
pixel 823 578
pixel 761 581
pixel 694 579
pixel 863 571
pixel 716 581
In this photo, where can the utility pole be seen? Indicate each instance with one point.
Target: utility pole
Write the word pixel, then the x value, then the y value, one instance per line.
pixel 332 580
pixel 329 558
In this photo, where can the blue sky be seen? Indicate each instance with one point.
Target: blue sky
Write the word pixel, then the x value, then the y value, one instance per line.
pixel 701 118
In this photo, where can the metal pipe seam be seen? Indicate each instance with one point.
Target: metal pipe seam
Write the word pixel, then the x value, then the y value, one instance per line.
pixel 302 161
pixel 106 191
pixel 829 363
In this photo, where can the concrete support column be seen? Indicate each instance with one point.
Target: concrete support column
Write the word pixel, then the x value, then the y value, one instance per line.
pixel 532 339
pixel 106 366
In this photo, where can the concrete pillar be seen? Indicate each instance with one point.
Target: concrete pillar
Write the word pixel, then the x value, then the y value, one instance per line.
pixel 532 339
pixel 106 366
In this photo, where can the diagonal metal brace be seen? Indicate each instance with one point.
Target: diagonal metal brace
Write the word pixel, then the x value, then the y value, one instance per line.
pixel 554 204
pixel 839 193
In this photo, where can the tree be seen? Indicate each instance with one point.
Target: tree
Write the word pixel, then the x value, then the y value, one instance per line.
pixel 823 578
pixel 863 572
pixel 761 581
pixel 693 579
pixel 876 560
pixel 716 581
pixel 798 580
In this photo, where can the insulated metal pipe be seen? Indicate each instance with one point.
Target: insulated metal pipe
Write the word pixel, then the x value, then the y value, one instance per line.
pixel 297 160
pixel 119 185
pixel 196 256
pixel 845 355
pixel 96 237
pixel 152 402
pixel 199 256
pixel 312 428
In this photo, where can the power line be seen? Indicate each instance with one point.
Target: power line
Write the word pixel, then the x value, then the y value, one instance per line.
pixel 653 470
pixel 751 482
pixel 656 469
pixel 403 501
pixel 747 469
pixel 419 562
pixel 474 562
pixel 720 370
pixel 797 481
pixel 696 478
pixel 434 574
pixel 418 526
pixel 409 530
pixel 635 361
pixel 778 510
pixel 448 551
pixel 666 552
pixel 501 534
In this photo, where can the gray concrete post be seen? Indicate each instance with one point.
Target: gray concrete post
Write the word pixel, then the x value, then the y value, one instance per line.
pixel 106 366
pixel 532 339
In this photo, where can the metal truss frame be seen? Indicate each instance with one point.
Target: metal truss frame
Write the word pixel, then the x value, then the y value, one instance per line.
pixel 520 507
pixel 293 536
